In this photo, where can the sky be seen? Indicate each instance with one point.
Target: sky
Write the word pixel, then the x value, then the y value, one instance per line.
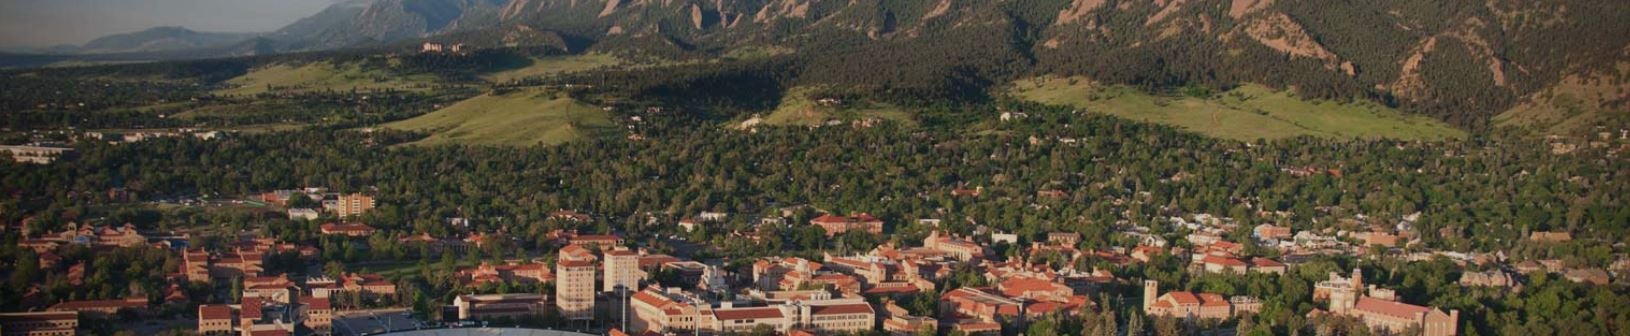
pixel 36 23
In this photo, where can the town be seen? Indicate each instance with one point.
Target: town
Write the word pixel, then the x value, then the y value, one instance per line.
pixel 977 282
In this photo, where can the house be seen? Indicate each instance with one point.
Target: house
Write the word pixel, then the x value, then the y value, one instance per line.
pixel 1490 278
pixel 1595 276
pixel 836 225
pixel 1270 232
pixel 1550 236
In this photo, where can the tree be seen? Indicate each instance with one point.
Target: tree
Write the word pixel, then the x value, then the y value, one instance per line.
pixel 27 270
pixel 1134 325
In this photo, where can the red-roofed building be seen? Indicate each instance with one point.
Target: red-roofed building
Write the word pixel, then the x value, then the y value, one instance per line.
pixel 214 319
pixel 317 314
pixel 1347 298
pixel 835 225
pixel 655 311
pixel 956 247
pixel 744 320
pixel 1187 305
pixel 837 317
pixel 980 304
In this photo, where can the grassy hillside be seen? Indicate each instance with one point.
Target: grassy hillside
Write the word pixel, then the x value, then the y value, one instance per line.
pixel 554 65
pixel 1245 113
pixel 521 118
pixel 1577 104
pixel 799 108
pixel 319 76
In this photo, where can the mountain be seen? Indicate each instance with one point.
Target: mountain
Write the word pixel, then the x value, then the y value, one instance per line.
pixel 1462 62
pixel 359 22
pixel 160 39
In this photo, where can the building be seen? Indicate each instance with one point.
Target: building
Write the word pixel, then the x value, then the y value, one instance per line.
pixel 317 315
pixel 956 247
pixel 102 307
pixel 303 214
pixel 622 269
pixel 973 303
pixel 574 283
pixel 1271 232
pixel 214 320
pixel 347 229
pixel 1064 238
pixel 481 307
pixel 1550 236
pixel 39 324
pixel 836 317
pixel 368 284
pixel 353 205
pixel 1188 305
pixel 662 312
pixel 1491 278
pixel 728 319
pixel 603 241
pixel 836 225
pixel 1381 313
pixel 36 154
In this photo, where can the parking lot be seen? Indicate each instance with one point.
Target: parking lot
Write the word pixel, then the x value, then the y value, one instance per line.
pixel 373 322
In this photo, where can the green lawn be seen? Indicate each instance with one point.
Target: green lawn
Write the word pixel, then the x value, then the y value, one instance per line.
pixel 540 67
pixel 521 118
pixel 1245 113
pixel 798 108
pixel 319 76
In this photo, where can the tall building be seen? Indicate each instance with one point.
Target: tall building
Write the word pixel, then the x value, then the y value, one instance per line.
pixel 574 283
pixel 622 268
pixel 353 205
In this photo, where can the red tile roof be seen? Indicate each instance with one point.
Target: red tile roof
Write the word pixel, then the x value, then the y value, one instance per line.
pixel 841 309
pixel 214 312
pixel 747 314
pixel 1389 308
pixel 1185 298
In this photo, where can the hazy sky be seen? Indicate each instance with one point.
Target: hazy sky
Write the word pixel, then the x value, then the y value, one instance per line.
pixel 52 22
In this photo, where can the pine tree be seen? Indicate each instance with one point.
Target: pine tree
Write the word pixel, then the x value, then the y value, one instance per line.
pixel 1134 325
